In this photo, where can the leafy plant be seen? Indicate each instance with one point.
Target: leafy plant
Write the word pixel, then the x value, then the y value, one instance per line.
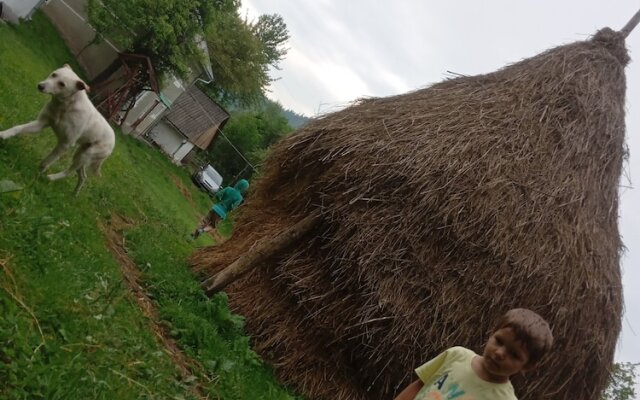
pixel 166 30
pixel 251 132
pixel 622 382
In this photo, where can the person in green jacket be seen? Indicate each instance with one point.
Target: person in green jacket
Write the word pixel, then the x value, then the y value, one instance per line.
pixel 228 199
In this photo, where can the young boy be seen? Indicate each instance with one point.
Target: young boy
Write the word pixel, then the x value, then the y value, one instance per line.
pixel 519 341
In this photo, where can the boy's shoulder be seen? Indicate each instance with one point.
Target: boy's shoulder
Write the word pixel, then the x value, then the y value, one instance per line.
pixel 452 370
pixel 460 352
pixel 498 391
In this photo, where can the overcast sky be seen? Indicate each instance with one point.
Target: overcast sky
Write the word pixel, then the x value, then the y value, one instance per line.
pixel 341 50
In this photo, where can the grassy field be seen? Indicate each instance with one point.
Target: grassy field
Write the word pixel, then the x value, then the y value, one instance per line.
pixel 71 327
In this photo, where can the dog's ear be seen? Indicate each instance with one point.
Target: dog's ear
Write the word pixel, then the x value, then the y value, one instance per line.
pixel 66 66
pixel 80 85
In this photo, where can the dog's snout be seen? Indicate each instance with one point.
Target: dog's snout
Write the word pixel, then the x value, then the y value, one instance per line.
pixel 41 86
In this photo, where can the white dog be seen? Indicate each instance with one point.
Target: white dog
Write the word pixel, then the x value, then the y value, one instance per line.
pixel 75 121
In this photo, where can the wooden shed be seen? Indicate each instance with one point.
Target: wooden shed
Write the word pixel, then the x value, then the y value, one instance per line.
pixel 191 124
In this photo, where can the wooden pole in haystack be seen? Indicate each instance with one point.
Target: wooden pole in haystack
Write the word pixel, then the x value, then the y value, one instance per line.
pixel 433 212
pixel 261 251
pixel 631 24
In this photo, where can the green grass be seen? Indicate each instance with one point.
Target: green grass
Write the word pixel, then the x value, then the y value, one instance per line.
pixel 70 328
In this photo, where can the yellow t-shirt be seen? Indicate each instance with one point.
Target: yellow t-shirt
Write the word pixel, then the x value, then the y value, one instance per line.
pixel 449 377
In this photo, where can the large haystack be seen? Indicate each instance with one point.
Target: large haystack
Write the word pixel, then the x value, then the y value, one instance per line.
pixel 439 210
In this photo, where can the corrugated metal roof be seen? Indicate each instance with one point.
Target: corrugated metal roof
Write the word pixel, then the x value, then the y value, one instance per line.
pixel 197 117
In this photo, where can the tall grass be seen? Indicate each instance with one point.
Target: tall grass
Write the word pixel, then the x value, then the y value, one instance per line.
pixel 69 327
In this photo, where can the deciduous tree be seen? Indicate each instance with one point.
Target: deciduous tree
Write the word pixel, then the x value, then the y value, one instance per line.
pixel 164 30
pixel 622 382
pixel 272 32
pixel 239 64
pixel 241 54
pixel 251 133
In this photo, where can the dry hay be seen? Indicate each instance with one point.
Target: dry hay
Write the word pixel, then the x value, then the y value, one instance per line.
pixel 441 209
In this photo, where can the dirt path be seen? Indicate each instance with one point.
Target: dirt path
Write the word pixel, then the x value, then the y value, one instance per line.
pixel 185 192
pixel 112 231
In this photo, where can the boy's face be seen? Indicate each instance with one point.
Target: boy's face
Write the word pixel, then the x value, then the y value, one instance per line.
pixel 504 355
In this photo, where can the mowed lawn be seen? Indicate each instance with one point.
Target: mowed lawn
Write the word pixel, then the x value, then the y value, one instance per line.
pixel 70 327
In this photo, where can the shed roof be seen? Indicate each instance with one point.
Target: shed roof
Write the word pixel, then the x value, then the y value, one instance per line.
pixel 197 117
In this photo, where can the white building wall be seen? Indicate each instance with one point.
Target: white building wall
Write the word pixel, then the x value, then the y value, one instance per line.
pixel 150 103
pixel 69 17
pixel 144 113
pixel 21 8
pixel 172 142
pixel 165 136
pixel 182 151
pixel 152 117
